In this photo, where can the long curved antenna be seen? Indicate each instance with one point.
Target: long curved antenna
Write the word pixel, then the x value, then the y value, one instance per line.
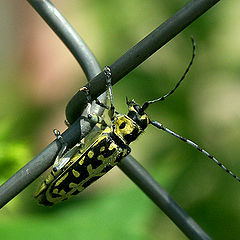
pixel 160 126
pixel 146 104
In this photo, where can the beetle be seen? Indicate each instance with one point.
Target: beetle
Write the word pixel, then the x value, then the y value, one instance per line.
pixel 77 168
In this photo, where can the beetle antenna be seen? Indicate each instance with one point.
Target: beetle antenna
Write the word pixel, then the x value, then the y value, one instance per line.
pixel 146 104
pixel 160 126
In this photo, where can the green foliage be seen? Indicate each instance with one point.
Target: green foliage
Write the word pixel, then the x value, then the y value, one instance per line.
pixel 120 215
pixel 13 153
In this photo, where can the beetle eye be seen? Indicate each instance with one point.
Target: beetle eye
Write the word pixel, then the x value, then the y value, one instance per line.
pixel 122 125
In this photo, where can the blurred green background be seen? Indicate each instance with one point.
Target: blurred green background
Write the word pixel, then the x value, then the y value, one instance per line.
pixel 39 76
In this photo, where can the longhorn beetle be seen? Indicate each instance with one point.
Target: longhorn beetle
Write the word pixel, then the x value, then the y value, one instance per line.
pixel 77 168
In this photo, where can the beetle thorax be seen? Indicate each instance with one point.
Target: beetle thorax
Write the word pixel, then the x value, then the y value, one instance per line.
pixel 126 129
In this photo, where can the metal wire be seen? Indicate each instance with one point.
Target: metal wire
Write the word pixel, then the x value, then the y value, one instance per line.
pixel 67 34
pixel 162 199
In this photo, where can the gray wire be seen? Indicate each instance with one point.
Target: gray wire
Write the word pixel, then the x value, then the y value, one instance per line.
pixel 63 29
pixel 162 199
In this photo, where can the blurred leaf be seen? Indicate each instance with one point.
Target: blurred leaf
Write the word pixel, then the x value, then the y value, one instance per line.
pixel 13 154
